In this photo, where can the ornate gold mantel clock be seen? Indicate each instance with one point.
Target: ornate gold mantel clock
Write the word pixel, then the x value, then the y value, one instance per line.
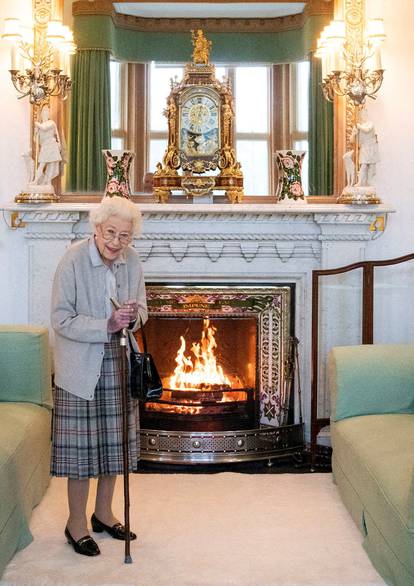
pixel 200 133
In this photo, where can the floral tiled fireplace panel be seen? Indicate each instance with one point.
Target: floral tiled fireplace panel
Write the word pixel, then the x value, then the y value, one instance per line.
pixel 221 353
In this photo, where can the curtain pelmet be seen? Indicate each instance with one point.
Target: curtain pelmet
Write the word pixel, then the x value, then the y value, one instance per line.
pixel 99 31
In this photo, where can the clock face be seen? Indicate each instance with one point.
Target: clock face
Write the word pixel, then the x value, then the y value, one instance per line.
pixel 199 132
pixel 199 114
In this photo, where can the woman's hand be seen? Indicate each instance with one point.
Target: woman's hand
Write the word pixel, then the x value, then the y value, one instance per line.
pixel 118 320
pixel 122 317
pixel 132 307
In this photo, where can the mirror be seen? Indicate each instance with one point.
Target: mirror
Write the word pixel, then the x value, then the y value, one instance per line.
pixel 145 59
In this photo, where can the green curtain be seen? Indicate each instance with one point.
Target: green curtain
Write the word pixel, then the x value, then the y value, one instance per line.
pixel 321 136
pixel 90 121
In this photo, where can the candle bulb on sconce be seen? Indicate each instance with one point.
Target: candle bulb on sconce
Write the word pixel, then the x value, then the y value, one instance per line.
pixel 56 59
pixel 13 35
pixel 14 59
pixel 68 48
pixel 377 59
pixel 66 65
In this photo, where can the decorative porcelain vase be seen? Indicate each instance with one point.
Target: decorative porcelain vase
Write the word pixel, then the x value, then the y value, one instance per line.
pixel 289 182
pixel 118 164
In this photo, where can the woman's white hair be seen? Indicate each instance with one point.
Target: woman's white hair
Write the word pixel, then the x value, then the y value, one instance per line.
pixel 116 206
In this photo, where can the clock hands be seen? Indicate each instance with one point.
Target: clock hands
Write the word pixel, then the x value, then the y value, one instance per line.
pixel 199 114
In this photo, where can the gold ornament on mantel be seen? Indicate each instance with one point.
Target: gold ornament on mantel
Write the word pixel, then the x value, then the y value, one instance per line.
pixel 200 114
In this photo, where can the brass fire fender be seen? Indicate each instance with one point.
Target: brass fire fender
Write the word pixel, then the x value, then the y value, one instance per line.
pixel 181 447
pixel 200 73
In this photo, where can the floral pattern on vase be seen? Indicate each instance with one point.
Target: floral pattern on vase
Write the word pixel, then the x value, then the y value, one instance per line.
pixel 118 164
pixel 289 166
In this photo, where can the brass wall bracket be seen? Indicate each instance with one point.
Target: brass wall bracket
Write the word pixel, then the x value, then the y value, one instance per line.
pixel 378 225
pixel 16 221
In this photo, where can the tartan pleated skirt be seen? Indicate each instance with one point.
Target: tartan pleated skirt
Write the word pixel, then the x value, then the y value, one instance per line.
pixel 87 435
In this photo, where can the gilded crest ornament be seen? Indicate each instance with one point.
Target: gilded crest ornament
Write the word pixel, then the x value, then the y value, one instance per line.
pixel 202 47
pixel 198 185
pixel 200 116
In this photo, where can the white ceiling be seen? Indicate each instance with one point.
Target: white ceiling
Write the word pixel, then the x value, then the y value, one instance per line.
pixel 209 9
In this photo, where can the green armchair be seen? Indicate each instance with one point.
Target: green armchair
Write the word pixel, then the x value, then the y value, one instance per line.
pixel 25 431
pixel 372 430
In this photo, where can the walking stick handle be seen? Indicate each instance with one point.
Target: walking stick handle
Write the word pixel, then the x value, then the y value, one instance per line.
pixel 123 332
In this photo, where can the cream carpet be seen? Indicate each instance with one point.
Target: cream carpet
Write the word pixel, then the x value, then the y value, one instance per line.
pixel 225 529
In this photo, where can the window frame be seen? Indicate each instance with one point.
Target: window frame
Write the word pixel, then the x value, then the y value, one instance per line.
pixel 262 136
pixel 297 135
pixel 121 132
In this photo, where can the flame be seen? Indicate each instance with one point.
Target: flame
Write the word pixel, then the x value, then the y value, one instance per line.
pixel 202 372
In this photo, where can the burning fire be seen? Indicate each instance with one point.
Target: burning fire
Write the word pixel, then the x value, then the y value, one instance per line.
pixel 203 372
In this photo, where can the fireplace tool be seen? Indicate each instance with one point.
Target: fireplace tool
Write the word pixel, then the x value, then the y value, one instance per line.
pixel 291 368
pixel 125 450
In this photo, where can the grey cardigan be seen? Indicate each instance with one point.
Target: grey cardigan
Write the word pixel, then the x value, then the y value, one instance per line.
pixel 79 316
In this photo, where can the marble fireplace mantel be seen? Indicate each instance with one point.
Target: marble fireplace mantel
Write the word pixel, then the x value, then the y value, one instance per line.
pixel 300 226
pixel 198 243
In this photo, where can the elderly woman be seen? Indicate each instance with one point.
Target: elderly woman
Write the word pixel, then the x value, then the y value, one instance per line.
pixel 87 424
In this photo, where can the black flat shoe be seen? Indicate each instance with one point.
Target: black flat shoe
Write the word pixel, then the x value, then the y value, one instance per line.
pixel 85 545
pixel 117 531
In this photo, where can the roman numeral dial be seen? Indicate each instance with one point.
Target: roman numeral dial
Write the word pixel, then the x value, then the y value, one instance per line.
pixel 199 114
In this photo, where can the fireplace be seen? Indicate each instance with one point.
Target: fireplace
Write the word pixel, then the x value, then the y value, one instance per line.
pixel 222 353
pixel 208 369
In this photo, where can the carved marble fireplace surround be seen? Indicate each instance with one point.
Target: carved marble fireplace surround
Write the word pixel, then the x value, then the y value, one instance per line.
pixel 218 243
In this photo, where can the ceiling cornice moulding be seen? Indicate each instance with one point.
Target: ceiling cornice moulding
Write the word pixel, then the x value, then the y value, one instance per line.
pixel 212 25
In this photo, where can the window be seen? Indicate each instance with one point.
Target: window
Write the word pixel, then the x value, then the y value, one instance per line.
pixel 118 75
pixel 253 144
pixel 253 89
pixel 158 89
pixel 300 115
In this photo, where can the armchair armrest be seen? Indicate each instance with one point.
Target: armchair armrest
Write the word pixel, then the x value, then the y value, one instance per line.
pixel 371 379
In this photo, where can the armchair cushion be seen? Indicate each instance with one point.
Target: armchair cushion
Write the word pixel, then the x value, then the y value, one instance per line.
pixel 371 379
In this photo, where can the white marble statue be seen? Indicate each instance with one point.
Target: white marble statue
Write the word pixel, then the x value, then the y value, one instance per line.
pixel 349 168
pixel 365 135
pixel 49 157
pixel 30 167
pixel 359 187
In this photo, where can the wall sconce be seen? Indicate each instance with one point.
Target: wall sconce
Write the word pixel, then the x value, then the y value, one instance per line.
pixel 349 68
pixel 353 69
pixel 40 59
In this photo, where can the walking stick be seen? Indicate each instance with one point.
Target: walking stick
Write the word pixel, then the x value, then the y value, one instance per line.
pixel 125 445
